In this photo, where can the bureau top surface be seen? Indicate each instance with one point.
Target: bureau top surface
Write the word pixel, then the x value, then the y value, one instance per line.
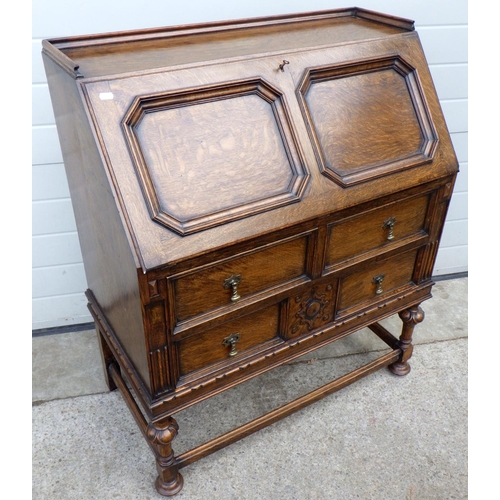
pixel 119 52
pixel 219 133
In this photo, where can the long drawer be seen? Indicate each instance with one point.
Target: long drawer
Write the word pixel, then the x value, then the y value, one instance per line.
pixel 235 279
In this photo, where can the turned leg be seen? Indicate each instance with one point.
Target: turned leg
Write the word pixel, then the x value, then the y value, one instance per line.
pixel 410 317
pixel 161 435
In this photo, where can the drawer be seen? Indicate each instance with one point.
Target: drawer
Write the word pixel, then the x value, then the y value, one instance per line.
pixel 377 279
pixel 201 291
pixel 376 229
pixel 214 345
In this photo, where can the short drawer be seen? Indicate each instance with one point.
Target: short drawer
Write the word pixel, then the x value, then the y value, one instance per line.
pixel 375 229
pixel 228 341
pixel 235 279
pixel 377 279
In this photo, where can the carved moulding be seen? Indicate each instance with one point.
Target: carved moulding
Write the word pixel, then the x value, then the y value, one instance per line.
pixel 310 310
pixel 191 180
pixel 366 118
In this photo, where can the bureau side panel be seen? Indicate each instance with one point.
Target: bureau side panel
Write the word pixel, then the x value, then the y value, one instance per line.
pixel 109 263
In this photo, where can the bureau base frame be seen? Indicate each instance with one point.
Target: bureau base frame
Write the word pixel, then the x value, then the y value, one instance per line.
pixel 229 221
pixel 160 432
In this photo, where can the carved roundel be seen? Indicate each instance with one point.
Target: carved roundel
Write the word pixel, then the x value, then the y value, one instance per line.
pixel 366 119
pixel 210 155
pixel 311 310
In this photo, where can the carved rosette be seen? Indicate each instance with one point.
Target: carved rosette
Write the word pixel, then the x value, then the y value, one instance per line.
pixel 312 309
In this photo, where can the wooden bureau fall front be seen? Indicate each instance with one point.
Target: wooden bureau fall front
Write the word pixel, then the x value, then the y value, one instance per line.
pixel 246 192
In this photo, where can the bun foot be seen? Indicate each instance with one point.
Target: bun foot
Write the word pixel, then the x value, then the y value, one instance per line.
pixel 169 489
pixel 400 369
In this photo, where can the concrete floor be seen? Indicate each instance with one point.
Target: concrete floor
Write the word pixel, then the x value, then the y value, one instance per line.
pixel 384 437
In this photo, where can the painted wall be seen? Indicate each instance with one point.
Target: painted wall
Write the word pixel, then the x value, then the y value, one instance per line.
pixel 58 279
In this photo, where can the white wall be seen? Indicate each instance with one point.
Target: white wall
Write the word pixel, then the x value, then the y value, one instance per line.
pixel 58 277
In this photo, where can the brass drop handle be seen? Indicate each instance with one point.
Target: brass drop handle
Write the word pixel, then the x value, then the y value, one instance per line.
pixel 388 225
pixel 233 282
pixel 377 280
pixel 231 342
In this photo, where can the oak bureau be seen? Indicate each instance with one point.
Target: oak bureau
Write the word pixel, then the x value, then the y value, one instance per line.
pixel 246 192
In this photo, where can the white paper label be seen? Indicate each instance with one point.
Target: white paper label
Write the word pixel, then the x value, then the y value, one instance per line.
pixel 106 96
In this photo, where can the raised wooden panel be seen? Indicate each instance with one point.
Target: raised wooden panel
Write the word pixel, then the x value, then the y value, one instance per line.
pixel 208 156
pixel 366 118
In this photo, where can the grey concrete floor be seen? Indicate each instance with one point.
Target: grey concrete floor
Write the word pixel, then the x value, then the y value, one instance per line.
pixel 384 437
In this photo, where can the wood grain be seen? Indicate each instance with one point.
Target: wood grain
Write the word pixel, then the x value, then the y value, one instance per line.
pixel 367 118
pixel 202 350
pixel 186 170
pixel 358 287
pixel 357 235
pixel 201 291
pixel 194 180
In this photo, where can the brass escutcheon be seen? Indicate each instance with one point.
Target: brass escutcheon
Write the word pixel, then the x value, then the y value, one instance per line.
pixel 233 282
pixel 231 341
pixel 388 225
pixel 377 280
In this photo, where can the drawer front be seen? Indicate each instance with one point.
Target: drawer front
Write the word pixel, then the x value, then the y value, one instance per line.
pixel 375 229
pixel 228 341
pixel 235 279
pixel 376 280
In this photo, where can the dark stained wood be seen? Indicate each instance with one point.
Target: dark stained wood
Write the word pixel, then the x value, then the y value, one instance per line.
pixel 147 49
pixel 110 262
pixel 249 158
pixel 368 231
pixel 157 228
pixel 283 411
pixel 247 192
pixel 359 286
pixel 367 118
pixel 384 335
pixel 158 435
pixel 203 290
pixel 107 357
pixel 310 309
pixel 199 351
pixel 410 317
